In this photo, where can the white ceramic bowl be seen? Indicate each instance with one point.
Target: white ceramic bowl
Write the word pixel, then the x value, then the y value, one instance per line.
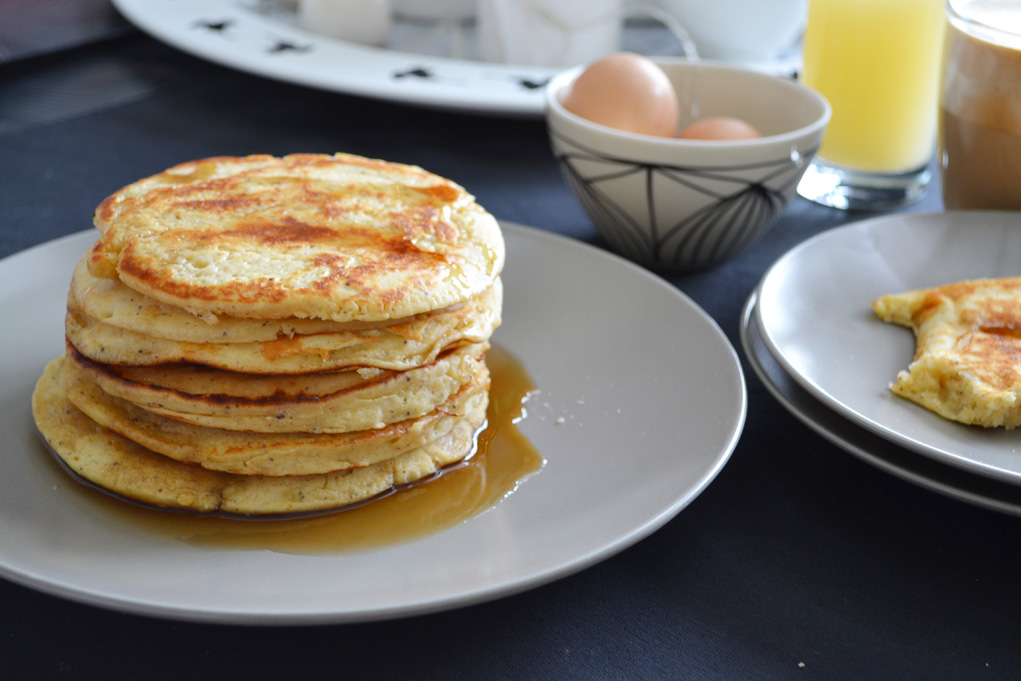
pixel 684 204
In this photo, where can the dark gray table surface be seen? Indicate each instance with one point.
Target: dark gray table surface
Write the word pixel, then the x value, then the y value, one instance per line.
pixel 799 561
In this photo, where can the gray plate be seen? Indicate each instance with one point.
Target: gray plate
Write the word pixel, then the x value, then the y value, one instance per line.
pixel 880 452
pixel 613 350
pixel 815 316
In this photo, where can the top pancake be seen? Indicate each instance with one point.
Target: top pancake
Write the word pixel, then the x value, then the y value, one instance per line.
pixel 337 237
pixel 967 363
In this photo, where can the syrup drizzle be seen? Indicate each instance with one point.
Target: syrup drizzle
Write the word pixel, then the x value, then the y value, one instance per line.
pixel 503 460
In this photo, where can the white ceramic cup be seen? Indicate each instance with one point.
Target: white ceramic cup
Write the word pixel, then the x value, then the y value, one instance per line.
pixel 740 30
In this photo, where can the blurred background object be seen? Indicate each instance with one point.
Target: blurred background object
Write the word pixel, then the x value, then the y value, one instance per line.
pixel 33 35
pixel 366 22
pixel 30 28
pixel 548 32
pixel 442 10
pixel 749 31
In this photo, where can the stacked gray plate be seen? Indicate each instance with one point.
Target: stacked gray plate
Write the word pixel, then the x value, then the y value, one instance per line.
pixel 809 333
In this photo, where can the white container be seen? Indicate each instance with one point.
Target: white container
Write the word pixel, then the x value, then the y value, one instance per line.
pixel 740 30
pixel 366 22
pixel 548 32
pixel 434 10
pixel 677 204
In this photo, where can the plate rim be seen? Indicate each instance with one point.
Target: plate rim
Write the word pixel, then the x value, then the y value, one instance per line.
pixel 910 221
pixel 871 448
pixel 110 599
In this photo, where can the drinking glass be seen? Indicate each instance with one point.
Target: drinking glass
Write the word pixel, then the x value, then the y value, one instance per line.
pixel 980 106
pixel 878 63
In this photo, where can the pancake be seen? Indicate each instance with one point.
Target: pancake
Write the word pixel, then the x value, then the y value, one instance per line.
pixel 269 454
pixel 113 303
pixel 967 362
pixel 335 402
pixel 123 467
pixel 310 236
pixel 397 346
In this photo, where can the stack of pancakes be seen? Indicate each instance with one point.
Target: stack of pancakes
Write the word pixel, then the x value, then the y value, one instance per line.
pixel 266 335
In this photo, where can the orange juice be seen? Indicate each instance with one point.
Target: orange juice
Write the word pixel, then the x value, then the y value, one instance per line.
pixel 877 62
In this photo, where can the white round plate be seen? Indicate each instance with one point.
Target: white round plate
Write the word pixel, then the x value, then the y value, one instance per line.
pixel 641 403
pixel 921 470
pixel 416 66
pixel 815 315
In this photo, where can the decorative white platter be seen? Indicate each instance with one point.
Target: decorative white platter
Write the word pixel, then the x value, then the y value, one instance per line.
pixel 921 470
pixel 241 36
pixel 628 443
pixel 815 317
pixel 419 65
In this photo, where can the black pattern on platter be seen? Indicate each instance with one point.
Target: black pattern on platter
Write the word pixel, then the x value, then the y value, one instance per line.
pixel 421 73
pixel 218 26
pixel 744 200
pixel 281 46
pixel 532 83
pixel 223 27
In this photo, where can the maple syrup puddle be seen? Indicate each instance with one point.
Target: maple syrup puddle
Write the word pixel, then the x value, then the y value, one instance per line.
pixel 503 459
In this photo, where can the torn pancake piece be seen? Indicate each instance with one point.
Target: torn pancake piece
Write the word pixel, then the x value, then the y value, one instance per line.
pixel 967 363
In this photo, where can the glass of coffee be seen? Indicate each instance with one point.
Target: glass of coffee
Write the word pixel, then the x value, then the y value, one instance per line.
pixel 980 105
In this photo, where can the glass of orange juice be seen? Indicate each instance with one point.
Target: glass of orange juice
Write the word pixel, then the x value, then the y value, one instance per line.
pixel 878 63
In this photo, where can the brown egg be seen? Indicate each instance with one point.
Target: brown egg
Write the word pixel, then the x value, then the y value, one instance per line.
pixel 719 128
pixel 628 92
